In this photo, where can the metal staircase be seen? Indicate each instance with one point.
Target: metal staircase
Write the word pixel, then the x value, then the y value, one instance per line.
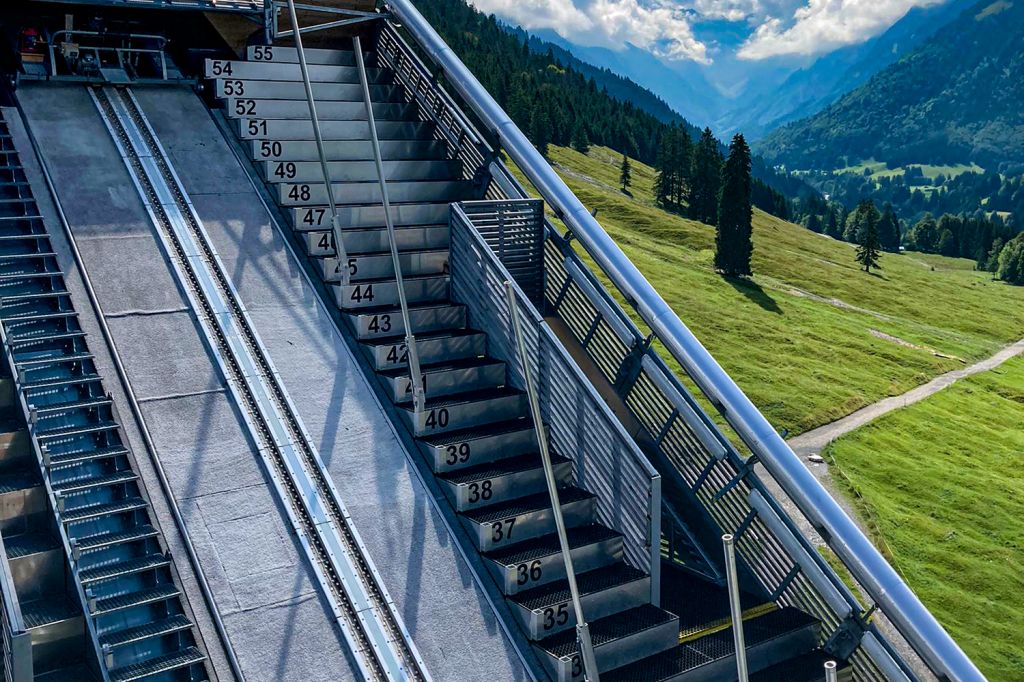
pixel 473 430
pixel 82 518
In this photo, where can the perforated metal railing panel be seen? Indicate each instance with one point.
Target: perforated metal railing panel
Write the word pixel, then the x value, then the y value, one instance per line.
pixel 606 460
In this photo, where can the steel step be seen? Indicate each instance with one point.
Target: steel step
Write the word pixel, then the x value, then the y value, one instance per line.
pixel 618 640
pixel 277 130
pixel 34 316
pixel 270 71
pixel 384 292
pixel 290 55
pixel 348 193
pixel 361 217
pixel 76 430
pixel 150 630
pixel 547 610
pixel 294 90
pixel 539 561
pixel 36 363
pixel 51 382
pixel 526 518
pixel 372 241
pixel 298 110
pixel 432 348
pixel 117 569
pixel 19 482
pixel 474 374
pixel 29 339
pixel 380 265
pixel 100 541
pixel 43 612
pixel 28 544
pixel 346 150
pixel 59 409
pixel 809 667
pixel 361 171
pixel 130 600
pixel 388 322
pixel 155 666
pixel 465 411
pixel 770 639
pixel 95 511
pixel 66 459
pixel 502 480
pixel 77 485
pixel 458 450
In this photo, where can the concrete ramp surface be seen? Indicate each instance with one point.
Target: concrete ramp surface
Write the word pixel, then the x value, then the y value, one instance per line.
pixel 277 618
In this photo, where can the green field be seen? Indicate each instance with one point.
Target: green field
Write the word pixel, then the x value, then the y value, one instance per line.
pixel 811 338
pixel 942 485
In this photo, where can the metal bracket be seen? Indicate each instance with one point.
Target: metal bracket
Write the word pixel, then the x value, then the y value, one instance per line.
pixel 846 638
pixel 629 370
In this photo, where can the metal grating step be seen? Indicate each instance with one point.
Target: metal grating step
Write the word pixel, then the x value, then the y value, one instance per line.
pixel 133 599
pixel 70 458
pixel 76 430
pixel 43 612
pixel 103 540
pixel 547 545
pixel 35 363
pixel 155 666
pixel 501 468
pixel 90 403
pixel 20 480
pixel 80 484
pixel 116 569
pixel 157 628
pixel 525 505
pixel 44 384
pixel 27 544
pixel 95 511
pixel 589 583
pixel 607 630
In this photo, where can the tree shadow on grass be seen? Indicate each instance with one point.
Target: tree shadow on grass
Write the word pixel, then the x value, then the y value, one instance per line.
pixel 753 291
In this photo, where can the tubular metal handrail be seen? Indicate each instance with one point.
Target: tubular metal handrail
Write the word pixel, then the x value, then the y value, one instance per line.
pixel 735 608
pixel 415 375
pixel 119 51
pixel 17 643
pixel 339 244
pixel 582 630
pixel 911 618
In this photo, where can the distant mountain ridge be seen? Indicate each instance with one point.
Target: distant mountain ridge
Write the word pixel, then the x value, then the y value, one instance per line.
pixel 955 99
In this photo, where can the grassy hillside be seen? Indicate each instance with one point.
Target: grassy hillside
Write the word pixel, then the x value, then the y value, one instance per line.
pixel 812 338
pixel 941 482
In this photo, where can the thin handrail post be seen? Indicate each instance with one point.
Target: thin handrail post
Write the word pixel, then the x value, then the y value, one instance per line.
pixel 415 376
pixel 339 245
pixel 582 630
pixel 735 609
pixel 831 675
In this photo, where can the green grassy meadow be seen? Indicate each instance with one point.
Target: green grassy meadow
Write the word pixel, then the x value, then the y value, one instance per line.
pixel 941 484
pixel 811 338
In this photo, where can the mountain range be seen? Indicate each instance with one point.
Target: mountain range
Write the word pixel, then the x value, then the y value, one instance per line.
pixel 956 99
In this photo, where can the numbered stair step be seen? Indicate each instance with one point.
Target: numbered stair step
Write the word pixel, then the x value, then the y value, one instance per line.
pixel 298 110
pixel 618 640
pixel 315 194
pixel 370 266
pixel 295 90
pixel 270 71
pixel 503 524
pixel 457 450
pixel 375 241
pixel 346 150
pixel 432 348
pixel 283 129
pixel 770 639
pixel 372 216
pixel 290 55
pixel 388 322
pixel 374 293
pixel 502 480
pixel 458 376
pixel 547 610
pixel 466 411
pixel 539 561
pixel 361 171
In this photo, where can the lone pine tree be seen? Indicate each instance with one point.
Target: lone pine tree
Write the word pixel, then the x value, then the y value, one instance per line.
pixel 869 247
pixel 625 173
pixel 734 245
pixel 706 178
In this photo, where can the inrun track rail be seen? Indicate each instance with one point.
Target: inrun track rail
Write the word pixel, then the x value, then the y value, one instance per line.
pixel 377 638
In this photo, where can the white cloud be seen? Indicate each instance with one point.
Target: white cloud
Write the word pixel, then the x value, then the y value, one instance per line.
pixel 821 26
pixel 663 30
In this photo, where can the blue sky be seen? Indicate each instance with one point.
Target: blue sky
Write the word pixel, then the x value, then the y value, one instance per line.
pixel 705 31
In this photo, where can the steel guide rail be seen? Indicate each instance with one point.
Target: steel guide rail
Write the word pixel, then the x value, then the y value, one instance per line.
pixel 362 607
